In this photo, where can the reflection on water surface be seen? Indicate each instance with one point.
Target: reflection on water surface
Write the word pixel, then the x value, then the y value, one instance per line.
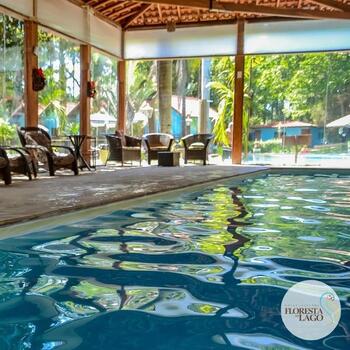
pixel 206 270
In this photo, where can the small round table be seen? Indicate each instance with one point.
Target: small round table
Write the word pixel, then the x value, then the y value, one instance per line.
pixel 77 142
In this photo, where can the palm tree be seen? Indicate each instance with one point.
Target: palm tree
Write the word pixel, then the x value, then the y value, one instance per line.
pixel 165 93
pixel 225 91
pixel 182 81
pixel 142 86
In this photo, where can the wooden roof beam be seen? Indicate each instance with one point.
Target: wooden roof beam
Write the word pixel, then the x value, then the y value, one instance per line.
pixel 125 9
pixel 90 2
pixel 118 19
pixel 112 7
pixel 335 5
pixel 102 4
pixel 254 9
pixel 143 9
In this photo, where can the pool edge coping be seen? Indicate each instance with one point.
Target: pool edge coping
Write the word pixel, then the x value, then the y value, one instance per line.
pixel 87 210
pixel 104 205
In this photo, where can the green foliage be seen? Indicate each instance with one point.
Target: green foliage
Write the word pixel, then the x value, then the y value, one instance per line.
pixel 104 73
pixel 332 149
pixel 223 94
pixel 142 84
pixel 306 87
pixel 186 77
pixel 11 72
pixel 224 112
pixel 72 129
pixel 59 59
pixel 270 146
pixel 7 132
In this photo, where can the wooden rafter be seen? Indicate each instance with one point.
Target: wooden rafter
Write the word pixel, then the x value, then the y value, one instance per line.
pixel 120 18
pixel 143 9
pixel 126 9
pixel 89 3
pixel 332 4
pixel 254 9
pixel 112 7
pixel 103 4
pixel 156 13
pixel 160 13
pixel 179 12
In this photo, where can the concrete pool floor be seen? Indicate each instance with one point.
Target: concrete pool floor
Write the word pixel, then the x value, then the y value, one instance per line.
pixel 46 196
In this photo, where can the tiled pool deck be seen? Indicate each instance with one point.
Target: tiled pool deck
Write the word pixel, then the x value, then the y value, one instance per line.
pixel 26 200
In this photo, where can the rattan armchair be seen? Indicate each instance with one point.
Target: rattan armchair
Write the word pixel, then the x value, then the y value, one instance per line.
pixel 123 148
pixel 38 142
pixel 156 143
pixel 196 147
pixel 5 171
pixel 21 161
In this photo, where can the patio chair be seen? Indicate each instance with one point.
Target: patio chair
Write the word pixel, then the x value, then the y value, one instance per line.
pixel 123 148
pixel 21 161
pixel 5 172
pixel 156 143
pixel 38 142
pixel 196 147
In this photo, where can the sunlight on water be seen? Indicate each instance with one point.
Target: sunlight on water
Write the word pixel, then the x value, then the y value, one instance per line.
pixel 207 270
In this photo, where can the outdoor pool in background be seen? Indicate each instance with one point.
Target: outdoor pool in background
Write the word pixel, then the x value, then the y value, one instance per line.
pixel 288 159
pixel 203 270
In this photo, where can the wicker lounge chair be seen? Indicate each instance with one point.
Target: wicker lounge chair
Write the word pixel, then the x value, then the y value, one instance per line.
pixel 196 147
pixel 38 142
pixel 5 172
pixel 21 161
pixel 156 143
pixel 123 148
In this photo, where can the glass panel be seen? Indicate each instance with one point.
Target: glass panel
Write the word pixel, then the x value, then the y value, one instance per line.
pixel 201 99
pixel 142 99
pixel 104 109
pixel 297 109
pixel 184 42
pixel 59 110
pixel 11 78
pixel 222 96
pixel 186 90
pixel 297 36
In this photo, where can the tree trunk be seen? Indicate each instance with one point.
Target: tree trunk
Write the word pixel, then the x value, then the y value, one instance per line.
pixel 62 83
pixel 152 120
pixel 164 92
pixel 62 66
pixel 182 92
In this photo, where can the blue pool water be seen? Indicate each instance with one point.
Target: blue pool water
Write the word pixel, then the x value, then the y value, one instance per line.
pixel 201 270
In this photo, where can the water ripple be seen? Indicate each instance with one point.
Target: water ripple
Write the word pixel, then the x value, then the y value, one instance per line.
pixel 205 270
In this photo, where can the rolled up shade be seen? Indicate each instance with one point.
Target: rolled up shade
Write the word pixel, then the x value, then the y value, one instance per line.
pixel 24 7
pixel 297 36
pixel 184 42
pixel 72 20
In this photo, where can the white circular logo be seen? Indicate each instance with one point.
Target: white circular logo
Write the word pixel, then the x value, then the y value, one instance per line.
pixel 311 310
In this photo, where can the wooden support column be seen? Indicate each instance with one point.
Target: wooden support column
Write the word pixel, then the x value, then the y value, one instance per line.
pixel 121 125
pixel 30 63
pixel 237 134
pixel 85 60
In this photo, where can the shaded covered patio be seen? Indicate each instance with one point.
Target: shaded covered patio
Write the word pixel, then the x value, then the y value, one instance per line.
pixel 169 29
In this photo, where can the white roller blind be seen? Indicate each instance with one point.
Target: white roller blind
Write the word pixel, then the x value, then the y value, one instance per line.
pixel 105 36
pixel 63 16
pixel 72 20
pixel 184 42
pixel 24 7
pixel 297 36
